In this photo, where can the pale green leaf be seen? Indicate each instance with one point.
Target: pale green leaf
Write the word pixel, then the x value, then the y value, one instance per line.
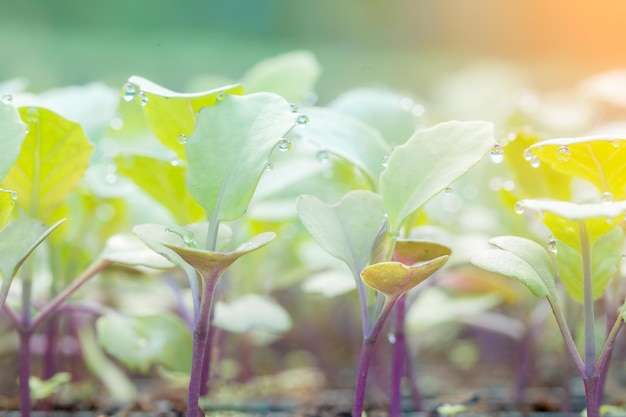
pixel 396 116
pixel 40 389
pixel 164 181
pixel 429 162
pixel 394 278
pixel 53 159
pixel 141 342
pixel 17 241
pixel 329 283
pixel 12 133
pixel 292 75
pixel 346 230
pixel 349 138
pixel 229 149
pixel 170 114
pixel 131 251
pixel 252 312
pixel 522 259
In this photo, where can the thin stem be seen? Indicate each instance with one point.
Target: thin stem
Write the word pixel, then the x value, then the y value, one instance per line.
pixel 602 364
pixel 592 397
pixel 366 354
pixel 362 294
pixel 589 321
pixel 398 357
pixel 12 316
pixel 53 305
pixel 570 345
pixel 25 373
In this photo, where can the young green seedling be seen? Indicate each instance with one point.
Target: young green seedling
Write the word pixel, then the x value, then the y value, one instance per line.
pixel 584 251
pixel 231 144
pixel 363 228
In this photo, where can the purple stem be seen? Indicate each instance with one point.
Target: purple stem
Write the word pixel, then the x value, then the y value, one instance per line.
pixel 200 338
pixel 366 354
pixel 25 372
pixel 523 365
pixel 592 396
pixel 398 357
pixel 208 354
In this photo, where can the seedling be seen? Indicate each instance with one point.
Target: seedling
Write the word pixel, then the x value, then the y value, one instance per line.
pixel 583 252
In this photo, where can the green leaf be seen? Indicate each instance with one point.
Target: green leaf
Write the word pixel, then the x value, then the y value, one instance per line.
pixel 522 259
pixel 292 75
pixel 349 138
pixel 41 389
pixel 141 342
pixel 165 182
pixel 170 114
pixel 228 151
pixel 252 312
pixel 428 162
pixel 18 240
pixel 12 133
pixel 346 230
pixel 53 159
pixel 394 115
pixel 394 278
pixel 7 202
pixel 131 251
pixel 606 255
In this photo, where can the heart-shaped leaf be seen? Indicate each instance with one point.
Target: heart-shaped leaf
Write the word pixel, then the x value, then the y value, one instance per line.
pixel 252 312
pixel 170 114
pixel 346 230
pixel 394 278
pixel 12 133
pixel 292 75
pixel 522 259
pixel 165 182
pixel 18 240
pixel 428 162
pixel 597 159
pixel 349 138
pixel 140 342
pixel 229 149
pixel 606 253
pixel 53 159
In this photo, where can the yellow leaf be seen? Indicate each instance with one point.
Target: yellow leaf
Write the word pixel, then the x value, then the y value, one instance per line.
pixel 6 206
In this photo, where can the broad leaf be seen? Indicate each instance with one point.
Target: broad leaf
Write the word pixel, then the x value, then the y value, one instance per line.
pixel 394 115
pixel 346 230
pixel 597 159
pixel 252 312
pixel 410 252
pixel 18 240
pixel 606 255
pixel 7 202
pixel 349 138
pixel 292 75
pixel 428 162
pixel 131 251
pixel 170 114
pixel 165 182
pixel 53 159
pixel 141 342
pixel 12 133
pixel 522 259
pixel 229 149
pixel 394 279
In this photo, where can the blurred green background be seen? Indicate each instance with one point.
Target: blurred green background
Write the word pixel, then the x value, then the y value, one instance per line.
pixel 404 43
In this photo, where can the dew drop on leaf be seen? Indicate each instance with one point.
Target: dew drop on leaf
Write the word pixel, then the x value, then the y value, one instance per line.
pixel 182 139
pixel 497 153
pixel 534 161
pixel 268 166
pixel 322 156
pixel 616 143
pixel 391 337
pixel 220 96
pixel 448 190
pixel 32 115
pixel 519 208
pixel 143 98
pixel 385 161
pixel 607 198
pixel 293 108
pixel 128 92
pixel 7 99
pixel 13 195
pixel 563 154
pixel 302 120
pixel 189 238
pixel 284 145
pixel 552 244
pixel 528 154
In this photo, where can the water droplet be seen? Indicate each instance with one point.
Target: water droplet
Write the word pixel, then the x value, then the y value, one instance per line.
pixel 143 98
pixel 284 145
pixel 552 244
pixel 14 195
pixel 385 161
pixel 616 143
pixel 128 92
pixel 189 238
pixel 220 96
pixel 607 198
pixel 293 108
pixel 448 190
pixel 563 154
pixel 528 154
pixel 391 337
pixel 519 207
pixel 302 120
pixel 497 153
pixel 268 166
pixel 27 129
pixel 175 162
pixel 32 115
pixel 534 161
pixel 322 156
pixel 7 99
pixel 182 139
